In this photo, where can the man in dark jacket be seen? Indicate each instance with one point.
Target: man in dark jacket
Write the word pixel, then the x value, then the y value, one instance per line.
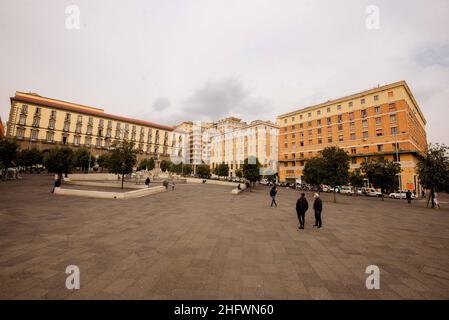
pixel 273 192
pixel 301 207
pixel 318 207
pixel 408 195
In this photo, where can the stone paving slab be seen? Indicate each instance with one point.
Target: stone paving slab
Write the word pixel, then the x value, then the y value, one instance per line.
pixel 202 242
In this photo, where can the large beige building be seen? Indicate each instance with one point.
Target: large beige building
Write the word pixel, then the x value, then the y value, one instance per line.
pixel 384 122
pixel 36 121
pixel 234 141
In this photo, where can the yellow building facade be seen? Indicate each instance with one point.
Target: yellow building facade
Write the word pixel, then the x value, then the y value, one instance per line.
pixel 44 123
pixel 382 122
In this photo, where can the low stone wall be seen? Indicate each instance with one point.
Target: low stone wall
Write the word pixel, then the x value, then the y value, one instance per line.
pixel 93 176
pixel 110 195
pixel 117 184
pixel 217 182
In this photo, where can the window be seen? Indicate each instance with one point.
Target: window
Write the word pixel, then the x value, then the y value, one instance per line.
pixel 365 134
pixel 392 106
pixel 352 136
pixel 379 133
pixel 354 160
pixel 329 131
pixel 50 136
pixel 394 130
pixel 309 124
pixel 320 141
pixel 66 126
pixel 380 147
pixel 378 121
pixel 78 127
pixel 301 126
pixel 319 131
pixel 79 119
pixel 310 133
pixel 309 114
pixel 293 119
pixel 352 126
pixel 340 138
pixel 340 127
pixel 353 150
pixel 350 103
pixel 34 134
pixel 90 121
pixel 365 123
pixel 301 143
pixel 351 115
pixel 98 143
pixel 65 139
pixel 76 140
pixel 36 121
pixel 24 109
pixel 390 94
pixel 340 118
pixel 329 120
pixel 301 134
pixel 88 140
pixel 67 117
pixel 285 120
pixel 365 149
pixel 51 123
pixel 318 112
pixel 318 122
pixel 300 116
pixel 363 113
pixel 310 141
pixel 392 117
pixel 376 98
pixel 377 109
pixel 293 136
pixel 328 110
pixel 22 119
pixel 329 139
pixel 339 107
pixel 20 133
pixel 362 101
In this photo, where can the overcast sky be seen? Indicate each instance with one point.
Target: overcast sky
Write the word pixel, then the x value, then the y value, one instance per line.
pixel 169 61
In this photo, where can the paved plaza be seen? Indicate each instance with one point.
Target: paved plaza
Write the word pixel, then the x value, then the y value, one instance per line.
pixel 201 242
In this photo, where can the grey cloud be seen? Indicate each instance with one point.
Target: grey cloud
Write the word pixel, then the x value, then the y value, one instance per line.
pixel 161 104
pixel 223 98
pixel 433 56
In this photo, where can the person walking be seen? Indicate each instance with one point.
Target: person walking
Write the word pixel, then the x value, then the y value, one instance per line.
pixel 57 184
pixel 273 192
pixel 408 195
pixel 147 182
pixel 436 201
pixel 318 207
pixel 301 207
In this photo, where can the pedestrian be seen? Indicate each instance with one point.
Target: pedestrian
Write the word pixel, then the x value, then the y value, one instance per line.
pixel 436 201
pixel 273 192
pixel 173 186
pixel 147 182
pixel 301 207
pixel 318 207
pixel 165 184
pixel 408 195
pixel 57 184
pixel 423 193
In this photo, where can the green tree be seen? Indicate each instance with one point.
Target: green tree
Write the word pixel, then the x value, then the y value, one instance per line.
pixel 314 171
pixel 187 169
pixel 8 154
pixel 29 158
pixel 150 164
pixel 222 170
pixel 59 161
pixel 203 171
pixel 271 178
pixel 239 173
pixel 356 179
pixel 251 169
pixel 166 165
pixel 433 170
pixel 122 158
pixel 81 159
pixel 382 174
pixel 103 161
pixel 336 167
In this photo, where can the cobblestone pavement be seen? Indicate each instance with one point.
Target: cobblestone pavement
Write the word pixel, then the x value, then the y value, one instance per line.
pixel 201 242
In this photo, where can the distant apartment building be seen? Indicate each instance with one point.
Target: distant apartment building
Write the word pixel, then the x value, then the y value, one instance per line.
pixel 384 122
pixel 2 129
pixel 44 123
pixel 234 142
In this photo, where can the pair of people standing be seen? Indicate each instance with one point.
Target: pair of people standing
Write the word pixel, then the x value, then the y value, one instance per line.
pixel 302 205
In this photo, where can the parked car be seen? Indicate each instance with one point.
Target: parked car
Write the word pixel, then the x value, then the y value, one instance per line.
pixel 371 192
pixel 346 190
pixel 399 195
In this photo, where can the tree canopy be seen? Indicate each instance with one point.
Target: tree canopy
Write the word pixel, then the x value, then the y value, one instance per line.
pixel 382 174
pixel 59 161
pixel 203 171
pixel 122 158
pixel 251 169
